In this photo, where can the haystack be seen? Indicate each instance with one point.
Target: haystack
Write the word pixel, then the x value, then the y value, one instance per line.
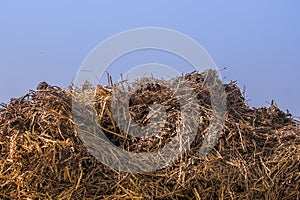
pixel 42 156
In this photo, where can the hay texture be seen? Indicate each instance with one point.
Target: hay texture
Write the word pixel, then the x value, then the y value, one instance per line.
pixel 42 156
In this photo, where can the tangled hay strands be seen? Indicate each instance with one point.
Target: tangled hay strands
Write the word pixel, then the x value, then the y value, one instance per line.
pixel 42 156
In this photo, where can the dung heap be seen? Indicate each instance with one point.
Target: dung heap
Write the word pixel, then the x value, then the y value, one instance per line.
pixel 43 157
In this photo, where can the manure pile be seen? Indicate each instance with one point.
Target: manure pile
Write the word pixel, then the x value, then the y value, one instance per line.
pixel 43 157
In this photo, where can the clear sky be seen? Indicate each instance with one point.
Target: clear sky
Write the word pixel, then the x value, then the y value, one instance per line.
pixel 257 40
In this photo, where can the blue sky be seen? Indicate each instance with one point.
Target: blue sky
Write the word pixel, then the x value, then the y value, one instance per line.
pixel 258 41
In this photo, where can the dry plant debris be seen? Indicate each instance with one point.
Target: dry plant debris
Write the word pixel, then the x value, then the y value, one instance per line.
pixel 42 156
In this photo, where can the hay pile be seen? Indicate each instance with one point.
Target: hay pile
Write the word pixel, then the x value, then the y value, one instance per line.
pixel 42 156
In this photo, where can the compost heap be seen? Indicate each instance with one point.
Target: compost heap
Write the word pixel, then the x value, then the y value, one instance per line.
pixel 43 157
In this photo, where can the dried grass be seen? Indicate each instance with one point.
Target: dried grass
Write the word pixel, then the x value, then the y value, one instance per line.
pixel 42 156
